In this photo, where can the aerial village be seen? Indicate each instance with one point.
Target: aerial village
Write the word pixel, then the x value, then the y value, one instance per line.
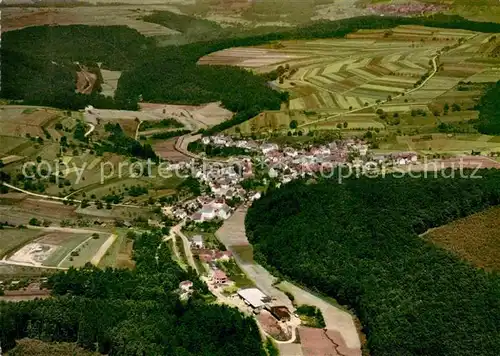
pixel 241 180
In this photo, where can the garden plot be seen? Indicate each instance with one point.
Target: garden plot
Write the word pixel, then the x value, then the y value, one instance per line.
pixel 487 76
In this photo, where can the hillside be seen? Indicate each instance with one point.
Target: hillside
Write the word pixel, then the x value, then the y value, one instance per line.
pixel 358 242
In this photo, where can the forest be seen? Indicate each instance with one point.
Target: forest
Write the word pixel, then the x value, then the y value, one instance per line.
pixel 38 63
pixel 489 111
pixel 216 151
pixel 132 312
pixel 359 242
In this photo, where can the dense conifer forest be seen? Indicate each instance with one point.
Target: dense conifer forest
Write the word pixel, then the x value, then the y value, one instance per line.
pixel 359 242
pixel 489 111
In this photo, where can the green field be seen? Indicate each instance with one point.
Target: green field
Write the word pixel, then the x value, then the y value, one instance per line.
pixel 64 250
pixel 209 239
pixel 11 239
pixel 119 255
pixel 85 252
pixel 475 238
pixel 235 274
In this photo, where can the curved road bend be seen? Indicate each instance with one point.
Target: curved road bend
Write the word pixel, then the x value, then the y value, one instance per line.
pixel 232 233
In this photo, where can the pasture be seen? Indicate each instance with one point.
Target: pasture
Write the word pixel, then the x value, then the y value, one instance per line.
pixel 475 238
pixel 119 255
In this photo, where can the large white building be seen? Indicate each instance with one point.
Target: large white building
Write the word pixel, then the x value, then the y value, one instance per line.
pixel 253 297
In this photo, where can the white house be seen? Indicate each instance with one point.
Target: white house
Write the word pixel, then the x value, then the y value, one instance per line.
pixel 224 212
pixel 186 286
pixel 197 241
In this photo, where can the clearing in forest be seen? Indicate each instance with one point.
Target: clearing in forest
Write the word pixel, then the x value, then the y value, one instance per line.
pixel 475 238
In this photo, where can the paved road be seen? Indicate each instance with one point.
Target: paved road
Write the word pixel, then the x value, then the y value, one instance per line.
pixel 232 233
pixel 187 246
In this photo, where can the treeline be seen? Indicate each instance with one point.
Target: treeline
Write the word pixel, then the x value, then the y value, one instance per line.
pixel 188 25
pixel 489 111
pixel 132 313
pixel 164 123
pixel 358 242
pixel 118 142
pixel 216 151
pixel 169 134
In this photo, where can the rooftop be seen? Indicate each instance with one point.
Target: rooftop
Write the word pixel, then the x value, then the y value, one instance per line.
pixel 252 296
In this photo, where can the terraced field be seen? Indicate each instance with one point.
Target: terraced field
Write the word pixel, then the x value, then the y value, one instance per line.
pixel 336 80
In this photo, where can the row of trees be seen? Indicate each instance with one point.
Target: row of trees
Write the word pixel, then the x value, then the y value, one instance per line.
pixel 132 312
pixel 489 111
pixel 216 151
pixel 358 241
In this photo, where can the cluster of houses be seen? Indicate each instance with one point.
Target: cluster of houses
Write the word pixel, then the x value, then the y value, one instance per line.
pixel 272 162
pixel 410 8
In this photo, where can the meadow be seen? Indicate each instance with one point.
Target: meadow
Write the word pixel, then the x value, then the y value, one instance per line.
pixel 474 238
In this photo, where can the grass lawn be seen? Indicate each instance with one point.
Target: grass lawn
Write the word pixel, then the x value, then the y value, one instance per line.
pixel 119 255
pixel 85 252
pixel 311 316
pixel 54 259
pixel 11 239
pixel 200 266
pixel 209 239
pixel 235 274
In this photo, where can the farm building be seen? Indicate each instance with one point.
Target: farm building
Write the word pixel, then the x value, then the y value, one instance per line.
pixel 254 297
